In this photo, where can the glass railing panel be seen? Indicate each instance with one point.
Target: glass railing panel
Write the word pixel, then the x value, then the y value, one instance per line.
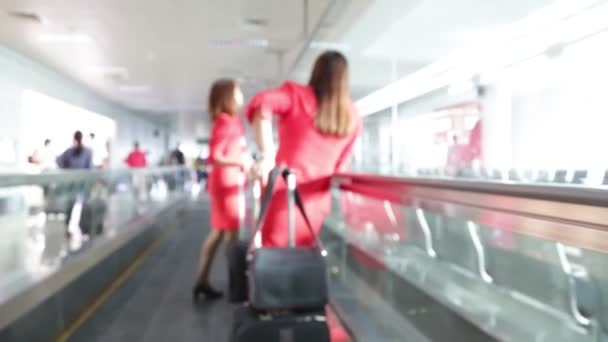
pixel 49 218
pixel 447 276
pixel 452 239
pixel 372 244
pixel 536 261
pixel 592 289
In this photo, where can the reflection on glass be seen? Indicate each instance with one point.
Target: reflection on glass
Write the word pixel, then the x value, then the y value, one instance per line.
pixel 407 263
pixel 56 216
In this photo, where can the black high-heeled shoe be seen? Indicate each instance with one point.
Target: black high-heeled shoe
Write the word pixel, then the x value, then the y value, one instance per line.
pixel 206 290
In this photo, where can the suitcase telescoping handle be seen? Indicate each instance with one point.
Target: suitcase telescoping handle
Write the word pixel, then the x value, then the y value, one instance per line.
pixel 257 197
pixel 293 197
pixel 290 180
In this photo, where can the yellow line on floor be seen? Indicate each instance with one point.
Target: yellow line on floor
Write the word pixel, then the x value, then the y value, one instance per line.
pixel 118 282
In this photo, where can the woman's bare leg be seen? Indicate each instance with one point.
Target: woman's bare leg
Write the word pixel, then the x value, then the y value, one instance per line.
pixel 231 236
pixel 208 250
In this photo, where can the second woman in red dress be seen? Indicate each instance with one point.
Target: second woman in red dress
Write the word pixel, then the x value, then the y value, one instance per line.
pixel 228 159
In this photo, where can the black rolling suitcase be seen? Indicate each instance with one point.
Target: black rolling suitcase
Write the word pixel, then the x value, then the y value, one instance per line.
pixel 287 286
pixel 92 215
pixel 293 277
pixel 84 221
pixel 251 326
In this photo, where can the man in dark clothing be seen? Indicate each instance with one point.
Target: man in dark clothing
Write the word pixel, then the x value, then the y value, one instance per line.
pixel 177 157
pixel 200 165
pixel 76 157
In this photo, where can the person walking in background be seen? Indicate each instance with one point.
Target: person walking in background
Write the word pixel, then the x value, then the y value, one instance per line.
pixel 99 150
pixel 318 126
pixel 455 160
pixel 228 162
pixel 200 165
pixel 136 158
pixel 44 157
pixel 76 157
pixel 177 157
pixel 475 154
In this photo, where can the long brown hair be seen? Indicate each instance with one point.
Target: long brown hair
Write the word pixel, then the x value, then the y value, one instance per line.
pixel 78 141
pixel 221 98
pixel 329 80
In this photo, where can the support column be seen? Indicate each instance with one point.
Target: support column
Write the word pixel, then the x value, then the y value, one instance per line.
pixel 394 122
pixel 497 128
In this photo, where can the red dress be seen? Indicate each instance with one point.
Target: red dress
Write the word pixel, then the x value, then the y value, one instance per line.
pixel 314 157
pixel 136 159
pixel 226 182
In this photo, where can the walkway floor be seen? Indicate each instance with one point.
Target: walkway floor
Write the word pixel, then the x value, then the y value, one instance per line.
pixel 155 303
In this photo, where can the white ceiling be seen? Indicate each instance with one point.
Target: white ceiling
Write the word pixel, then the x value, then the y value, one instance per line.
pixel 448 25
pixel 168 45
pixel 415 33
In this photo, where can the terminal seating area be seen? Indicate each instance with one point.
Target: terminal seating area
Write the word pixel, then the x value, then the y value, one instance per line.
pixel 559 176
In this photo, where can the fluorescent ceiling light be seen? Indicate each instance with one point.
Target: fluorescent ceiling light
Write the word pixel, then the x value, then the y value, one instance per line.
pixel 77 38
pixel 517 42
pixel 328 46
pixel 255 23
pixel 241 42
pixel 255 42
pixel 132 89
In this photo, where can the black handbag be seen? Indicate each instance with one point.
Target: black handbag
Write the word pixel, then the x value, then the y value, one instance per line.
pixel 292 278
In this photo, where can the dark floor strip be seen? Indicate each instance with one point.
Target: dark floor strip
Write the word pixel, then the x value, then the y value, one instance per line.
pixel 155 304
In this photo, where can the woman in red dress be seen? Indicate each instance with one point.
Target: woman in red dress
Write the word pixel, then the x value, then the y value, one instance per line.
pixel 317 127
pixel 228 160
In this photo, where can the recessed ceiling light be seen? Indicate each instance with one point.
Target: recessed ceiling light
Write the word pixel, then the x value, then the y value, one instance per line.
pixel 76 38
pixel 249 80
pixel 255 23
pixel 114 73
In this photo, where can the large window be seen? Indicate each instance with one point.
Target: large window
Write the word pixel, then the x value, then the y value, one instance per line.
pixel 43 117
pixel 511 94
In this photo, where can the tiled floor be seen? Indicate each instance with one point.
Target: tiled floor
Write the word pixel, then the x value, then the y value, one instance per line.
pixel 155 303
